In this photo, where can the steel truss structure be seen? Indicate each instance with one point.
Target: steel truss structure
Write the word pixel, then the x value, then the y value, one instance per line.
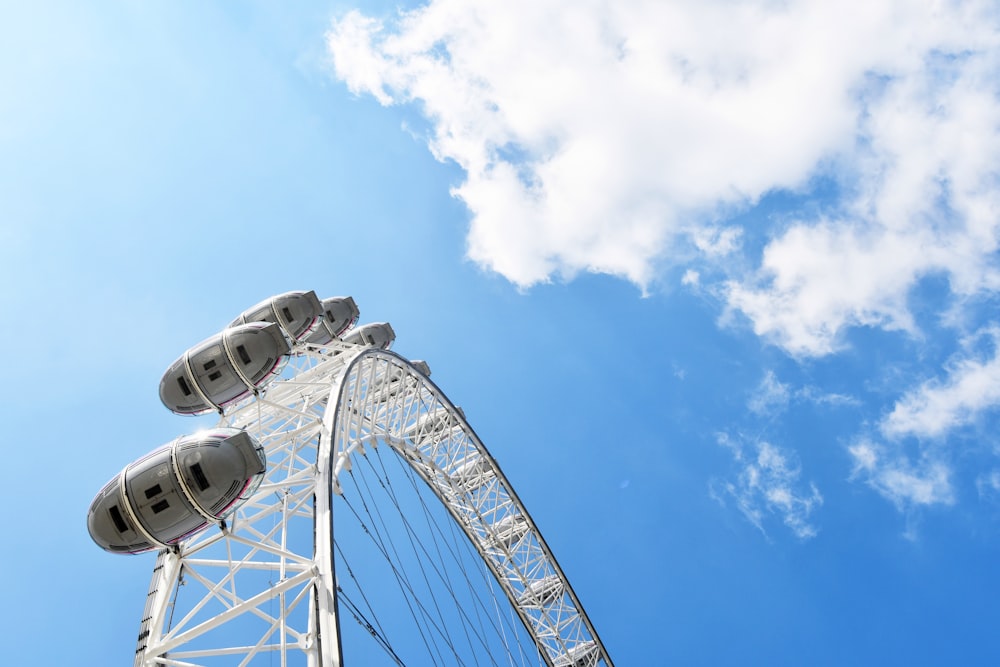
pixel 262 589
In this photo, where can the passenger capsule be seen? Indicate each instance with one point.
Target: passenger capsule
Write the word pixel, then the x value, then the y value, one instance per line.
pixel 297 313
pixel 375 334
pixel 224 368
pixel 584 654
pixel 434 425
pixel 508 530
pixel 471 473
pixel 542 591
pixel 340 313
pixel 395 379
pixel 176 491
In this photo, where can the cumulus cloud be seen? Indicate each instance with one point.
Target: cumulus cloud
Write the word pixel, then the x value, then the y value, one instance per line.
pixel 925 201
pixel 767 483
pixel 604 136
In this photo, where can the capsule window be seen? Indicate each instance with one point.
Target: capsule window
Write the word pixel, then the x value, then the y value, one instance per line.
pixel 160 506
pixel 199 477
pixel 210 364
pixel 184 386
pixel 288 314
pixel 212 377
pixel 117 519
pixel 153 491
pixel 243 354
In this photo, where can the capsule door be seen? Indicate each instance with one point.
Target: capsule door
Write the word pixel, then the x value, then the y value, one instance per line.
pixel 214 373
pixel 157 499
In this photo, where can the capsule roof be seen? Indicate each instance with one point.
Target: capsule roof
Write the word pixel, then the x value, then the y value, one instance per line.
pixel 176 490
pixel 374 334
pixel 224 368
pixel 297 313
pixel 340 313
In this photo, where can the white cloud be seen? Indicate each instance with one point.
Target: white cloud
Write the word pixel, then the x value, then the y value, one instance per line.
pixel 767 483
pixel 598 137
pixel 971 387
pixel 771 395
pixel 691 278
pixel 816 396
pixel 988 485
pixel 918 473
pixel 905 483
pixel 620 137
pixel 717 242
pixel 924 201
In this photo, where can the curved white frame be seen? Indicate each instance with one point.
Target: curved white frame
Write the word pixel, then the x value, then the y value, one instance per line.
pixel 311 425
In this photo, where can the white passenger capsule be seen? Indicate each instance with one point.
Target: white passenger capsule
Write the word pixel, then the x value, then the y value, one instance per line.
pixel 471 473
pixel 176 490
pixel 434 425
pixel 297 313
pixel 508 530
pixel 395 379
pixel 224 368
pixel 340 313
pixel 584 654
pixel 542 591
pixel 375 334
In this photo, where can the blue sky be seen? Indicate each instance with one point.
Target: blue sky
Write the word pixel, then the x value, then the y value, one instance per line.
pixel 717 285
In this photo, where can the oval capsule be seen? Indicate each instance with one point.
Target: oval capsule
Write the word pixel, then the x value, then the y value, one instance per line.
pixel 374 334
pixel 297 313
pixel 224 368
pixel 340 313
pixel 434 426
pixel 542 591
pixel 176 491
pixel 395 380
pixel 584 654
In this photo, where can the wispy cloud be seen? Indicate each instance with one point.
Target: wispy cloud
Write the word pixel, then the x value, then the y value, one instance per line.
pixel 769 396
pixel 970 387
pixel 766 483
pixel 906 483
pixel 772 396
pixel 988 485
pixel 910 462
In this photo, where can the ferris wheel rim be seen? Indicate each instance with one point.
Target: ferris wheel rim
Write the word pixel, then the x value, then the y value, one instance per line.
pixel 458 416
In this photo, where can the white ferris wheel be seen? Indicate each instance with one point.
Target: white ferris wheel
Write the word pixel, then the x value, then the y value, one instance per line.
pixel 382 532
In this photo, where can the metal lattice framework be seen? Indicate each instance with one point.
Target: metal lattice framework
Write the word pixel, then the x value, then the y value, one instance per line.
pixel 264 585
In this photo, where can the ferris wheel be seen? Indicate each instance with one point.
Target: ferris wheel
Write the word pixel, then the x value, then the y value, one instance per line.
pixel 366 523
